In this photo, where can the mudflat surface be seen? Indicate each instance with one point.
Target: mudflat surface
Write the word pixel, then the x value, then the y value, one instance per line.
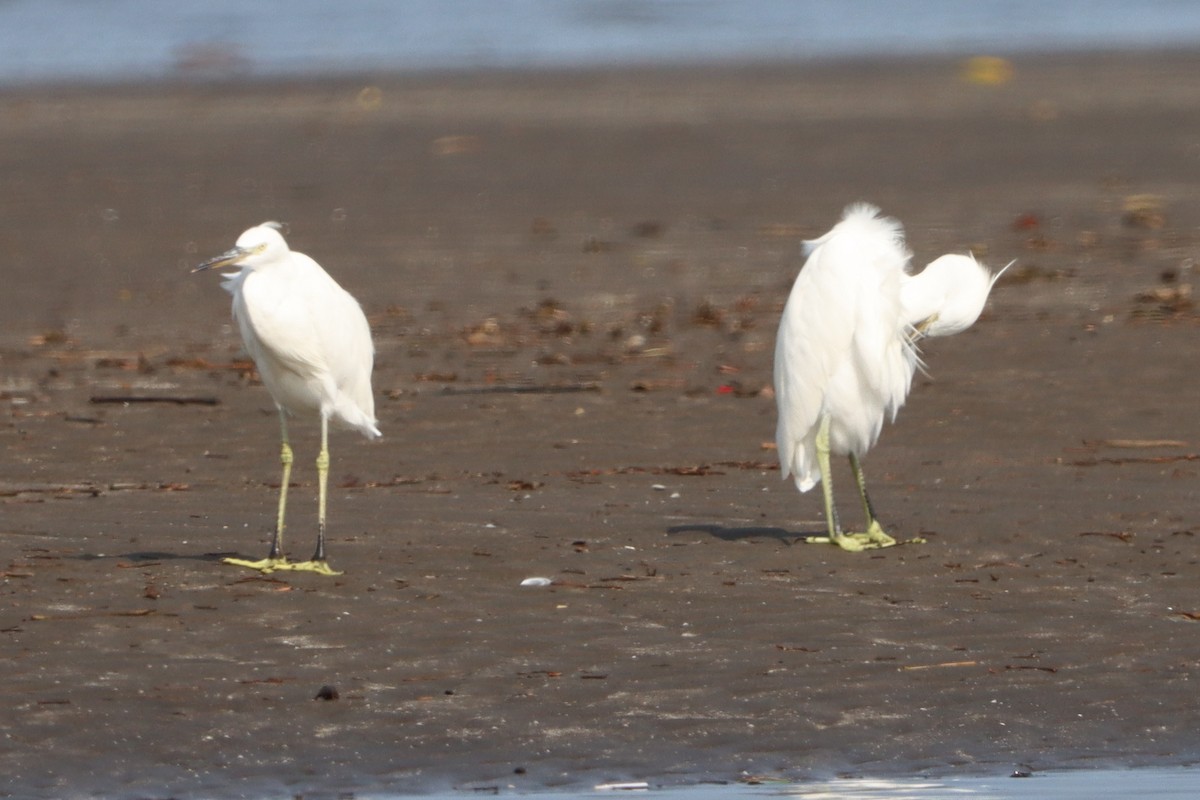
pixel 574 282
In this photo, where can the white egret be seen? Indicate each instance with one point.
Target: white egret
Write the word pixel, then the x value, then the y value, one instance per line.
pixel 847 349
pixel 311 343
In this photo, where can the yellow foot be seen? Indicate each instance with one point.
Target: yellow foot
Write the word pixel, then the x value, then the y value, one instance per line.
pixel 263 565
pixel 268 565
pixel 853 542
pixel 875 538
pixel 319 567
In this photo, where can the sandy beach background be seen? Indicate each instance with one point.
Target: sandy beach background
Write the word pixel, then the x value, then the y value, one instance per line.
pixel 574 280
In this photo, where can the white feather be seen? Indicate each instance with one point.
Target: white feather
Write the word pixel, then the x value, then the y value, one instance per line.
pixel 307 335
pixel 847 339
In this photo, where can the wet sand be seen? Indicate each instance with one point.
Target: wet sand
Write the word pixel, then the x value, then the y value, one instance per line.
pixel 574 282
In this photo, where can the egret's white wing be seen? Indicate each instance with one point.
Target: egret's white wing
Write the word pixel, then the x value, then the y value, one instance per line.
pixel 814 337
pixel 276 315
pixel 843 347
pixel 310 340
pixel 351 357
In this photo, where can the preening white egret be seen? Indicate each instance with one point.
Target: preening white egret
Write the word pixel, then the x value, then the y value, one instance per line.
pixel 847 349
pixel 311 343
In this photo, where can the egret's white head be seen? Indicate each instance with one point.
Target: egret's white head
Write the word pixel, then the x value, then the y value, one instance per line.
pixel 947 296
pixel 262 244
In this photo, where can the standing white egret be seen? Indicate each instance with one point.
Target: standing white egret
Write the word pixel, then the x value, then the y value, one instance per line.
pixel 311 343
pixel 847 349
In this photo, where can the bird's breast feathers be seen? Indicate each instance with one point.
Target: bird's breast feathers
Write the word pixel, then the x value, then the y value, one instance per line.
pixel 304 321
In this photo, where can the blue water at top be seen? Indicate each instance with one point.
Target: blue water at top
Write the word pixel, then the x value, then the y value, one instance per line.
pixel 121 40
pixel 1099 784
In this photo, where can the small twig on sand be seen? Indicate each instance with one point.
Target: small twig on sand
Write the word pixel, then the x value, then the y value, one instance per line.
pixel 520 388
pixel 916 667
pixel 124 399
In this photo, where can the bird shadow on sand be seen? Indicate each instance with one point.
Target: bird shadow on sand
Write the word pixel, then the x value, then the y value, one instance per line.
pixel 147 556
pixel 737 534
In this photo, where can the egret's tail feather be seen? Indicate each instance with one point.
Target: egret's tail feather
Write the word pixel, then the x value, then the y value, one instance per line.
pixel 352 417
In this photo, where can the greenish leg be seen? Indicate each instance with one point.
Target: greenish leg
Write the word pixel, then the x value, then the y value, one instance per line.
pixel 831 517
pixel 323 475
pixel 275 559
pixel 874 537
pixel 285 458
pixel 317 563
pixel 875 532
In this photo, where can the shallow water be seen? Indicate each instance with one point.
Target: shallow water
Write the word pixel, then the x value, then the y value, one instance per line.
pixel 1082 784
pixel 1146 784
pixel 65 40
